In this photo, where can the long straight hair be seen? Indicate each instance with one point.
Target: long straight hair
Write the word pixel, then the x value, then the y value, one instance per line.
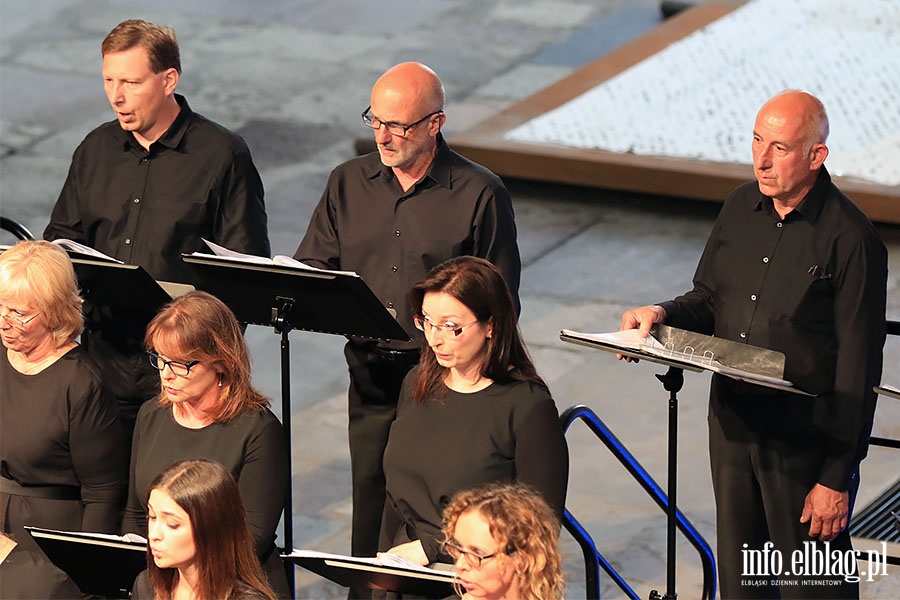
pixel 479 285
pixel 224 550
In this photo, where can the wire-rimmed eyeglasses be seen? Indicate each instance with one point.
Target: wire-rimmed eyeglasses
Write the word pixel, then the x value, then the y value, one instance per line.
pixel 425 324
pixel 398 129
pixel 182 369
pixel 17 321
pixel 473 559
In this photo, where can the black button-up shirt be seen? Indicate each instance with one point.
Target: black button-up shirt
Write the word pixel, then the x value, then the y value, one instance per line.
pixel 148 207
pixel 366 223
pixel 811 285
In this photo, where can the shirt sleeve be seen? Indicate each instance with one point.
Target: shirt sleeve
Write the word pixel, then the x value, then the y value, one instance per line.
pixel 495 238
pixel 859 318
pixel 321 247
pixel 695 310
pixel 542 456
pixel 65 219
pixel 263 482
pixel 241 222
pixel 97 446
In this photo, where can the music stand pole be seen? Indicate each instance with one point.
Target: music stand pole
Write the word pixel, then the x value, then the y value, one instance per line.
pixel 283 326
pixel 672 382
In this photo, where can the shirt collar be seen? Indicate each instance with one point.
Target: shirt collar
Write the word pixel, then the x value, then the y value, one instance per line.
pixel 811 205
pixel 173 136
pixel 438 171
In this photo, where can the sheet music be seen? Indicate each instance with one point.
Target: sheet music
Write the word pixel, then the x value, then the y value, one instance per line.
pixel 281 259
pixel 77 248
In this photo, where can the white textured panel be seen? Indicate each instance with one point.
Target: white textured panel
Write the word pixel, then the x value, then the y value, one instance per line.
pixel 697 99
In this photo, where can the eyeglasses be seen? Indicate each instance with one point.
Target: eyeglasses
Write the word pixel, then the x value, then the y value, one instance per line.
pixel 182 369
pixel 18 321
pixel 425 324
pixel 398 129
pixel 473 559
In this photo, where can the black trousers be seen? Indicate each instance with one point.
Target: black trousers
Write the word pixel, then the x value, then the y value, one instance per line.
pixel 375 379
pixel 760 482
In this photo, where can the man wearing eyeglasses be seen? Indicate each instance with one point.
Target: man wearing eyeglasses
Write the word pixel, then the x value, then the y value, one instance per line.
pixel 392 216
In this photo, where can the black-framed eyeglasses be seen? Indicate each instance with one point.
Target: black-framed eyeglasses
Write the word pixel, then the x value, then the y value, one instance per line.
pixel 473 559
pixel 18 321
pixel 425 324
pixel 182 369
pixel 398 129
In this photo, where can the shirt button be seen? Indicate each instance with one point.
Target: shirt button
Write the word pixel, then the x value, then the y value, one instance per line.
pixel 753 297
pixel 127 241
pixel 765 259
pixel 743 335
pixel 394 268
pixel 145 159
pixel 137 200
pixel 779 224
pixel 397 233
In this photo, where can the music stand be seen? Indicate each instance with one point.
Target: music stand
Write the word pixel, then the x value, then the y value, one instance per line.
pixel 352 571
pixel 101 565
pixel 697 353
pixel 289 298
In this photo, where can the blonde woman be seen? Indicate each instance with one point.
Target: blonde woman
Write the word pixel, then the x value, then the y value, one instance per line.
pixel 62 455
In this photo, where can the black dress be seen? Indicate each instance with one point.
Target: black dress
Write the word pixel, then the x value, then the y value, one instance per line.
pixel 505 432
pixel 28 575
pixel 61 450
pixel 250 446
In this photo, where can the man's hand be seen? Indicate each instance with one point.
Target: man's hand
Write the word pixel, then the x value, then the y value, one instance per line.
pixel 411 551
pixel 642 318
pixel 827 511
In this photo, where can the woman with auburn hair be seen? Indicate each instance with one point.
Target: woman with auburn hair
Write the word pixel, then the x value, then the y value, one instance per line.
pixel 199 547
pixel 505 540
pixel 62 462
pixel 474 411
pixel 207 408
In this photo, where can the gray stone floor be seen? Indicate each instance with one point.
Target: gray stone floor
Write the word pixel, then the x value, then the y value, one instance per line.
pixel 292 77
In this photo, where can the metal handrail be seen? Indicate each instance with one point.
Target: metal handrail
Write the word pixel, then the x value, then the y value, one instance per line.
pixel 15 228
pixel 592 557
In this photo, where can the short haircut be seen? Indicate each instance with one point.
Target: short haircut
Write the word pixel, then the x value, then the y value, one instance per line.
pixel 158 40
pixel 41 273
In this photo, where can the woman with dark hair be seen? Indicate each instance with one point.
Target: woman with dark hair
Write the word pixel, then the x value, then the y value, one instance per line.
pixel 61 447
pixel 199 547
pixel 208 409
pixel 474 411
pixel 505 541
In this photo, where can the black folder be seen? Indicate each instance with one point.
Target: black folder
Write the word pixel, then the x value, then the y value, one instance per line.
pixel 98 564
pixel 351 571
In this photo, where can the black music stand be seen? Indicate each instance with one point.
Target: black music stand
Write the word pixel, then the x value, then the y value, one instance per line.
pixel 289 298
pixel 127 288
pixel 352 571
pixel 100 565
pixel 760 366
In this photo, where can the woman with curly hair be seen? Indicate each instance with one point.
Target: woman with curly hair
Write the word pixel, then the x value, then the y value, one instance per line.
pixel 505 540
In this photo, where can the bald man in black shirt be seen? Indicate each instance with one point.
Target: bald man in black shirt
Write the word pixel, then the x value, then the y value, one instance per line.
pixel 392 216
pixel 791 265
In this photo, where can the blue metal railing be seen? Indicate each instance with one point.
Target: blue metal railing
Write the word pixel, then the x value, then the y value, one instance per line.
pixel 593 560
